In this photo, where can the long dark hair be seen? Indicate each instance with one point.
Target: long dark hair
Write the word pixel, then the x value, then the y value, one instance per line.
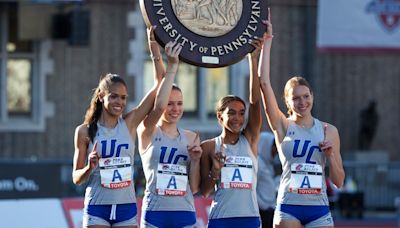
pixel 93 113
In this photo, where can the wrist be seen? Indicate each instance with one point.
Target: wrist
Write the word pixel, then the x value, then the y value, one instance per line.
pixel 269 36
pixel 172 67
pixel 155 58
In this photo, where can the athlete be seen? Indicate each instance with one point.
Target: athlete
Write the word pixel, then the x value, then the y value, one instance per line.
pixel 305 144
pixel 170 156
pixel 229 161
pixel 104 151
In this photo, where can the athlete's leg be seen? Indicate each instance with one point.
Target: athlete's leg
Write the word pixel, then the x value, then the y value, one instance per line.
pixel 325 221
pixel 288 224
pixel 97 226
pixel 285 220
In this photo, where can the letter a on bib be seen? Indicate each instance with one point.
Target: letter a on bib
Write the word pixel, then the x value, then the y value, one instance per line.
pixel 172 182
pixel 116 175
pixel 236 174
pixel 306 182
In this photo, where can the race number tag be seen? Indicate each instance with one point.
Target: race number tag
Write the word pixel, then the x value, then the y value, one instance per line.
pixel 172 180
pixel 305 178
pixel 115 172
pixel 237 172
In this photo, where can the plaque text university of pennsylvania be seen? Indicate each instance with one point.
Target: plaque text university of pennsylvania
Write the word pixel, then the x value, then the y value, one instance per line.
pixel 213 33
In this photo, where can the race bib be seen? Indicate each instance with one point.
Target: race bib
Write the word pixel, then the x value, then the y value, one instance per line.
pixel 237 173
pixel 115 172
pixel 305 178
pixel 172 180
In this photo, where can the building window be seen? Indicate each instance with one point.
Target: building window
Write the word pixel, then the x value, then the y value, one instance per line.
pixel 17 61
pixel 217 87
pixel 19 85
pixel 22 104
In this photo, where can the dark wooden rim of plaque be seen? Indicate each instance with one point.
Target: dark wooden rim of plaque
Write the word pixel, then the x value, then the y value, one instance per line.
pixel 149 12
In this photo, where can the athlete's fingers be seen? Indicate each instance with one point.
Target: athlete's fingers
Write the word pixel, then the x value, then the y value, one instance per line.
pixel 257 43
pixel 176 46
pixel 94 146
pixel 197 149
pixel 168 46
pixel 196 137
pixel 176 50
pixel 325 129
pixel 179 50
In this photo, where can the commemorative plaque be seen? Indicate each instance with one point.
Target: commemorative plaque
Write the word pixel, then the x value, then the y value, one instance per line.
pixel 213 33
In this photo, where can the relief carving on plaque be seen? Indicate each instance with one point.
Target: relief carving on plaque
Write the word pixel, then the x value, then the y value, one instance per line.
pixel 210 18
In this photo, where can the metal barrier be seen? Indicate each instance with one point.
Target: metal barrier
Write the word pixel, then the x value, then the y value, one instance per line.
pixel 379 182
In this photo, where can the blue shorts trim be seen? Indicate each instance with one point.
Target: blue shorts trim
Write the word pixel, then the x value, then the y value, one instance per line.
pixel 248 222
pixel 123 212
pixel 164 219
pixel 305 214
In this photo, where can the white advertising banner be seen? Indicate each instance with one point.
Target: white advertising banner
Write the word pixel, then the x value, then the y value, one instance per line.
pixel 358 25
pixel 32 213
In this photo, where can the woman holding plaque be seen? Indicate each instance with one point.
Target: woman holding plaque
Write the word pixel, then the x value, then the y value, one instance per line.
pixel 305 145
pixel 170 156
pixel 229 161
pixel 104 151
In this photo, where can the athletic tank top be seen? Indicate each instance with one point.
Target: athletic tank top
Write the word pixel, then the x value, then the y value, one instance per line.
pixel 236 187
pixel 303 164
pixel 111 182
pixel 166 168
pixel 266 189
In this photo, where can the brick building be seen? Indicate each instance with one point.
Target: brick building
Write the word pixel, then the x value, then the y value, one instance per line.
pixel 58 49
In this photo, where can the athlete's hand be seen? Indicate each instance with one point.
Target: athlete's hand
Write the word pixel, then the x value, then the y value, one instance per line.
pixel 218 158
pixel 326 145
pixel 268 34
pixel 93 157
pixel 257 44
pixel 194 149
pixel 172 50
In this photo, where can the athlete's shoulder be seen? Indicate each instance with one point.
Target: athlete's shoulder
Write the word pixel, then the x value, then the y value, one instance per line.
pixel 208 145
pixel 189 133
pixel 82 134
pixel 82 129
pixel 329 127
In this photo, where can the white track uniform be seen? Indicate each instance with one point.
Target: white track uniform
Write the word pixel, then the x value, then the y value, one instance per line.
pixel 111 182
pixel 303 166
pixel 236 187
pixel 166 168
